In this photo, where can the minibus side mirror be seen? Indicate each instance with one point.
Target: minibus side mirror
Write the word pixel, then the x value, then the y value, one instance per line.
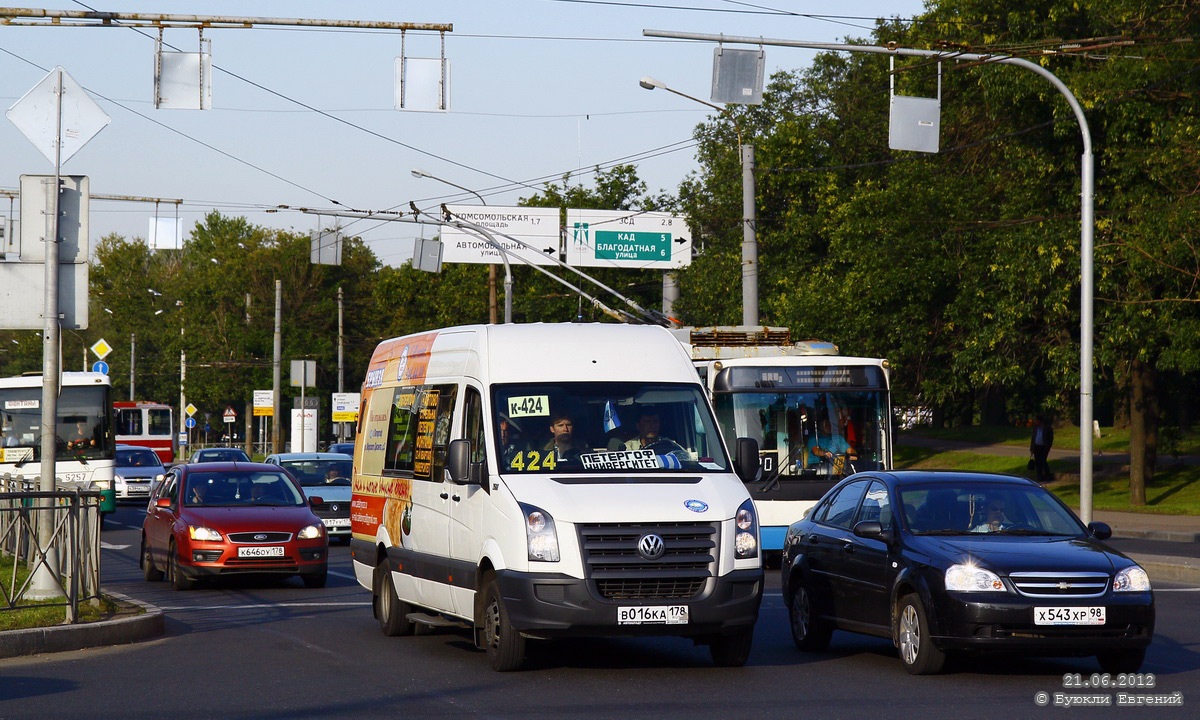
pixel 745 462
pixel 458 461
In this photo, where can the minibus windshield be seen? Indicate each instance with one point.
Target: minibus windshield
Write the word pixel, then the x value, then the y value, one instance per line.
pixel 628 427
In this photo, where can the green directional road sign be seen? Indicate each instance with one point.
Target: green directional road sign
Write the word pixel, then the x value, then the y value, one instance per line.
pixel 621 245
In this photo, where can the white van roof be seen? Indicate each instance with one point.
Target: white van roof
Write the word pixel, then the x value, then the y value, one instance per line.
pixel 535 352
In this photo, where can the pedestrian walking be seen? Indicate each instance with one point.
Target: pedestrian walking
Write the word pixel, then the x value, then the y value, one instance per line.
pixel 1039 448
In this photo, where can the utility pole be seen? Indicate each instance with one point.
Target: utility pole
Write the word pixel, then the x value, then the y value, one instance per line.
pixel 1086 213
pixel 132 357
pixel 277 427
pixel 183 416
pixel 341 318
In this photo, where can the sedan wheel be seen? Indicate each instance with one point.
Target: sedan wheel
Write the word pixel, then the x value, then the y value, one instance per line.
pixel 175 575
pixel 917 650
pixel 809 633
pixel 149 571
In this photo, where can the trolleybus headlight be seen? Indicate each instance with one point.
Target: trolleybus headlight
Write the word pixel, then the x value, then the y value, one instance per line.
pixel 745 541
pixel 540 533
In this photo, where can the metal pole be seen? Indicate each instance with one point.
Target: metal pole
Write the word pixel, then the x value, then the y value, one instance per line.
pixel 491 266
pixel 749 241
pixel 341 318
pixel 277 428
pixel 1086 219
pixel 183 416
pixel 670 293
pixel 303 414
pixel 132 359
pixel 45 581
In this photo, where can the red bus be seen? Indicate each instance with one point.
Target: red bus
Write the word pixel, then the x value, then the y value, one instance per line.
pixel 146 424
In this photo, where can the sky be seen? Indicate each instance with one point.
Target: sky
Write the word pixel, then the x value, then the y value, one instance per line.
pixel 304 117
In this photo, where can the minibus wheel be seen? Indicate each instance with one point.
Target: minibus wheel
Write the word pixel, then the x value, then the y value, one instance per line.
pixel 505 646
pixel 390 610
pixel 732 650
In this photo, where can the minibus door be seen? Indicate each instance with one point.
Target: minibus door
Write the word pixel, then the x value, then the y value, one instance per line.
pixel 466 508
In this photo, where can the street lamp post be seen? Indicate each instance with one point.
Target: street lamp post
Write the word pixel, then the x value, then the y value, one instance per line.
pixel 1086 213
pixel 749 237
pixel 418 173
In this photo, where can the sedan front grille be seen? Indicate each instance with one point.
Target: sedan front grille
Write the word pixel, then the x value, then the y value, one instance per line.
pixel 1060 584
pixel 252 538
pixel 612 561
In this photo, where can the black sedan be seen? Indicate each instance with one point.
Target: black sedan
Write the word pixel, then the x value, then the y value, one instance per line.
pixel 953 562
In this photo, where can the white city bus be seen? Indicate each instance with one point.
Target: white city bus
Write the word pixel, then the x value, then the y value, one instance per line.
pixel 84 429
pixel 790 397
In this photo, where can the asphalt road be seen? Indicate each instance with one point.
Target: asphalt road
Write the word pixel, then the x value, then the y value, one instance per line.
pixel 259 649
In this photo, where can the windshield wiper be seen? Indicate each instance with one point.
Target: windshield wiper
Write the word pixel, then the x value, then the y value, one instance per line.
pixel 1028 531
pixel 946 531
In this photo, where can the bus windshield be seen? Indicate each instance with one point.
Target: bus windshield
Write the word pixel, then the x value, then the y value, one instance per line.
pixel 83 431
pixel 809 435
pixel 628 427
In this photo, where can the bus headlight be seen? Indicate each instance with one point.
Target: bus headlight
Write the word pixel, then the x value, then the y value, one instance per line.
pixel 540 534
pixel 745 539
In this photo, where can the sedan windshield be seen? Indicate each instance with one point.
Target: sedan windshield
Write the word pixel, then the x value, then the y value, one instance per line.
pixel 319 472
pixel 137 458
pixel 626 427
pixel 985 509
pixel 233 488
pixel 220 455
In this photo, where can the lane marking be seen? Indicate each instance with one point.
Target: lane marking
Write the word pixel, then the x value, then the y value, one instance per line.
pixel 344 575
pixel 107 546
pixel 261 606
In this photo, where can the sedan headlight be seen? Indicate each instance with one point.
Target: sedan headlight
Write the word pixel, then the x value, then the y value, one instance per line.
pixel 969 578
pixel 745 538
pixel 311 532
pixel 1131 579
pixel 540 534
pixel 202 533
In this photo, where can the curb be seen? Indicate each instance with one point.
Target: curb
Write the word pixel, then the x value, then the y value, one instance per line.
pixel 1169 568
pixel 60 638
pixel 1170 535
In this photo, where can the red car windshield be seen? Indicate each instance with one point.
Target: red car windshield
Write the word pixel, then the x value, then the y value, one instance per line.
pixel 234 488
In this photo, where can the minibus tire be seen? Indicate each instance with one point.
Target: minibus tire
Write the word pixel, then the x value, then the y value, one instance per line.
pixel 732 650
pixel 390 610
pixel 505 646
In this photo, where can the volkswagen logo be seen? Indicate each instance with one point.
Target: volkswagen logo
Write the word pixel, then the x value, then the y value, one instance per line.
pixel 651 546
pixel 333 508
pixel 260 537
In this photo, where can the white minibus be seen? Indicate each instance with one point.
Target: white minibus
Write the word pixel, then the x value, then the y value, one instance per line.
pixel 552 480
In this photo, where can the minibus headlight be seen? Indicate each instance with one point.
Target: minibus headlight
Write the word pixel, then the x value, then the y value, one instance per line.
pixel 745 541
pixel 540 534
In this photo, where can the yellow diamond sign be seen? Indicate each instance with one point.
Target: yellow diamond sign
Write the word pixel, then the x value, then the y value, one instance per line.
pixel 190 409
pixel 102 348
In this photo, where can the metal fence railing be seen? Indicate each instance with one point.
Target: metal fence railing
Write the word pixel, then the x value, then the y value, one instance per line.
pixel 55 536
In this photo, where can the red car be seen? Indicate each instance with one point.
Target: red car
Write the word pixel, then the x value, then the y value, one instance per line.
pixel 217 519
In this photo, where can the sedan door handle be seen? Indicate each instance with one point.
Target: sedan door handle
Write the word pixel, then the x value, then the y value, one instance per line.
pixel 444 495
pixel 814 539
pixel 848 547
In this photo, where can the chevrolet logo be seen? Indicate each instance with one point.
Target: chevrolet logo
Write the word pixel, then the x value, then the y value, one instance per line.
pixel 1064 586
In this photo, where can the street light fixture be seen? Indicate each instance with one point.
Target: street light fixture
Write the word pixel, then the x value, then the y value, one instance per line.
pixel 419 173
pixel 749 237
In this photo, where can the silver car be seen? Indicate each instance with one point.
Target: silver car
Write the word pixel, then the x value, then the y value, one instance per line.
pixel 137 471
pixel 327 476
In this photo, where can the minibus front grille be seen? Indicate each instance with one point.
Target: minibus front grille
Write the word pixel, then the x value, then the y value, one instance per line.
pixel 619 572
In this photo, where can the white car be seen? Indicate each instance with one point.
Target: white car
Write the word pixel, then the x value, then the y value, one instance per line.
pixel 323 475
